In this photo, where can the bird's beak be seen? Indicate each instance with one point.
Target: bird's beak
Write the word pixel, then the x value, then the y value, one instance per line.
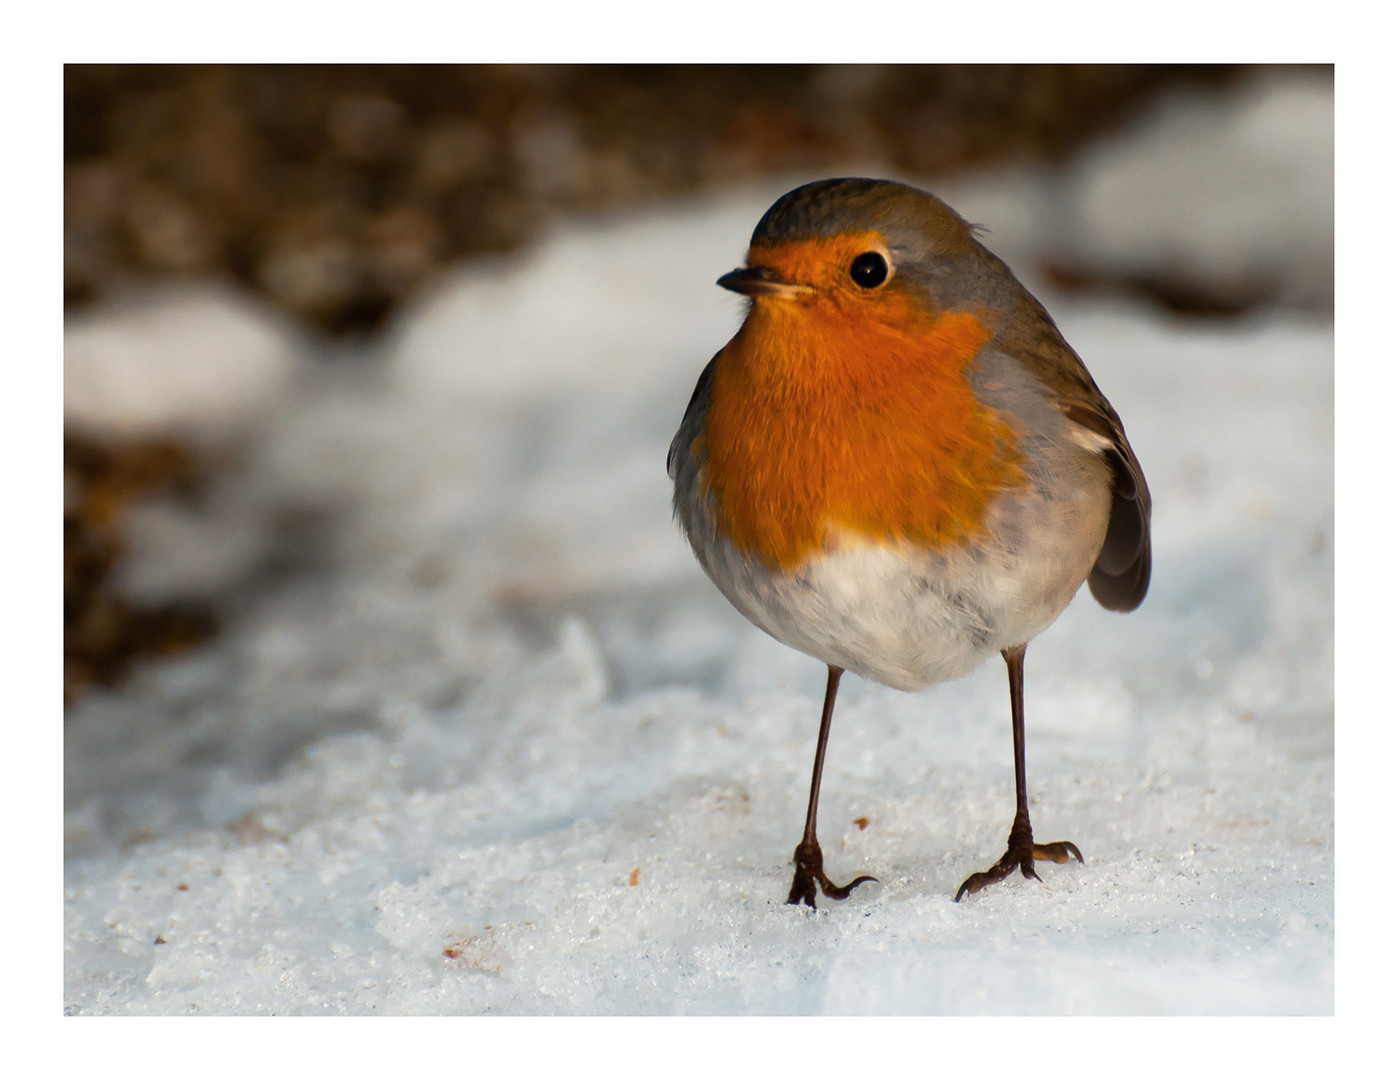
pixel 759 281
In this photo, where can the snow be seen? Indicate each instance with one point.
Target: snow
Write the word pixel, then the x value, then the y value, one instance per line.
pixel 504 749
pixel 1211 220
pixel 195 361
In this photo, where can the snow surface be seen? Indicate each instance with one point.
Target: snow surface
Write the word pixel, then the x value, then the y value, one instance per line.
pixel 504 749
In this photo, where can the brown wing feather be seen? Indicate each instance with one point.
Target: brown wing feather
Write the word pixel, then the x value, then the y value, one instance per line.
pixel 1121 575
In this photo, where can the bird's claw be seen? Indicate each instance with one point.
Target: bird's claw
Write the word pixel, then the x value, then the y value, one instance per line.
pixel 810 872
pixel 1021 852
pixel 1060 852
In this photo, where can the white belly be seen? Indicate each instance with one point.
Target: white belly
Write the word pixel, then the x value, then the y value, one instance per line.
pixel 910 618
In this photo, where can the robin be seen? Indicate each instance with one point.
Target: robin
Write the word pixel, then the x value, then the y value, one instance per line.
pixel 899 467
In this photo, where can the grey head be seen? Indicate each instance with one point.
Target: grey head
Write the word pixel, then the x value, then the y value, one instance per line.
pixel 930 245
pixel 830 207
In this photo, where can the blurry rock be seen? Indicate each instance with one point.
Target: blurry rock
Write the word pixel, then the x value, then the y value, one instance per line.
pixel 312 276
pixel 103 631
pixel 403 245
pixel 169 233
pixel 94 197
pixel 453 152
pixel 365 127
pixel 551 155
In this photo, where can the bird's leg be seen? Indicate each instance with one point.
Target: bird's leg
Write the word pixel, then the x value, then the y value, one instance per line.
pixel 810 870
pixel 1021 850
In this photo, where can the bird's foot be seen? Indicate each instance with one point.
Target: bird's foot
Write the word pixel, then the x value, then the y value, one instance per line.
pixel 1021 852
pixel 810 872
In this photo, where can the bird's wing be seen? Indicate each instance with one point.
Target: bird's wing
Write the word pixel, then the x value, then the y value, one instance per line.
pixel 698 401
pixel 1121 575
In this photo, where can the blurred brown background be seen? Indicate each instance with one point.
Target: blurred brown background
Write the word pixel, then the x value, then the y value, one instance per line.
pixel 335 192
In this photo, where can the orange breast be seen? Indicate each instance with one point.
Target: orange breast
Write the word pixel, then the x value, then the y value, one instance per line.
pixel 832 414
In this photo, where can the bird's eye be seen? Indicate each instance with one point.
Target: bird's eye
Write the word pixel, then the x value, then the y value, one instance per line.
pixel 869 270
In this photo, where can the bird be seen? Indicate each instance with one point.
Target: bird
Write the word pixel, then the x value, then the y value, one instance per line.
pixel 899 467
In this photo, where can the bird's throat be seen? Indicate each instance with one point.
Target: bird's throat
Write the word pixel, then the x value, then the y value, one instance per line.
pixel 825 423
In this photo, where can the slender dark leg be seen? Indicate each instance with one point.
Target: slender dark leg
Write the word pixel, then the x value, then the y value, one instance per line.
pixel 809 862
pixel 1021 850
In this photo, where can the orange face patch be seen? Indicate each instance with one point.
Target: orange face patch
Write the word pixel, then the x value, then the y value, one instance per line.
pixel 822 264
pixel 849 409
